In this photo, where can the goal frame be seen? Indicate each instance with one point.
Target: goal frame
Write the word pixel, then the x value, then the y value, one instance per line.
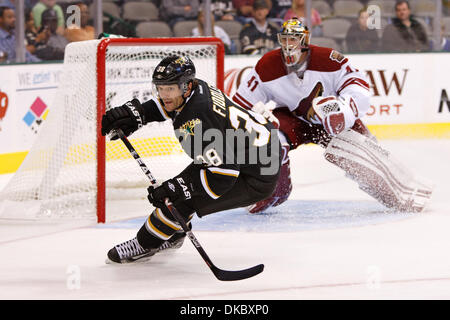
pixel 101 95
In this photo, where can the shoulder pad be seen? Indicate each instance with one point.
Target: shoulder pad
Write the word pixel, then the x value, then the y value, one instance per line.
pixel 325 59
pixel 271 66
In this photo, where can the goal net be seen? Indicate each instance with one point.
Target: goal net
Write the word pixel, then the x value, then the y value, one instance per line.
pixel 71 170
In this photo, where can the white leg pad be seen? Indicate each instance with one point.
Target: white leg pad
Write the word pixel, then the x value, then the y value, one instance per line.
pixel 378 173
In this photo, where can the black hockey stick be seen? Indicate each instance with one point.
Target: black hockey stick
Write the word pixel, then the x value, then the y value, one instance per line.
pixel 223 275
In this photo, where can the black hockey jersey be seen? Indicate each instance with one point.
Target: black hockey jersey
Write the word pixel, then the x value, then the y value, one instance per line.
pixel 224 139
pixel 256 41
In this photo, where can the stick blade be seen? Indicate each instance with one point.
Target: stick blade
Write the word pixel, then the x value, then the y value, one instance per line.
pixel 225 275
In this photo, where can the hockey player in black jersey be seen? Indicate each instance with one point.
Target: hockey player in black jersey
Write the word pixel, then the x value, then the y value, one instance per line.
pixel 235 152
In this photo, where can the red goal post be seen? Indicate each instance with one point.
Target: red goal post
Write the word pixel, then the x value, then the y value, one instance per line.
pixel 71 170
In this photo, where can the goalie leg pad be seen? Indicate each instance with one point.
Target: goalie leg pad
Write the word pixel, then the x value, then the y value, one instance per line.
pixel 378 173
pixel 361 128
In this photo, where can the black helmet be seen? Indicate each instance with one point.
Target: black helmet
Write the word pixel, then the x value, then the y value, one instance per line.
pixel 174 70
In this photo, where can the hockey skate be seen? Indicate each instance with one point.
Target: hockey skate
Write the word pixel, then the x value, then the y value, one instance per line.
pixel 175 242
pixel 131 251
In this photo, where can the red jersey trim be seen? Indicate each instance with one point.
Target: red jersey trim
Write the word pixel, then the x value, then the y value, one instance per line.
pixel 356 81
pixel 241 101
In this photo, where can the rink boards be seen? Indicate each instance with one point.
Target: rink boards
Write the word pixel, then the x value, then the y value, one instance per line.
pixel 409 98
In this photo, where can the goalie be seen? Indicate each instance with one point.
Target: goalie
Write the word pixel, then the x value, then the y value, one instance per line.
pixel 225 174
pixel 320 98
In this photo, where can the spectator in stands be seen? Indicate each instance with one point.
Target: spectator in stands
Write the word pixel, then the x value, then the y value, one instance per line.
pixel 445 42
pixel 217 31
pixel 405 34
pixel 279 8
pixel 173 11
pixel 223 10
pixel 8 3
pixel 53 48
pixel 3 56
pixel 259 36
pixel 359 37
pixel 298 9
pixel 32 38
pixel 244 10
pixel 43 5
pixel 446 6
pixel 83 31
pixel 12 3
pixel 7 37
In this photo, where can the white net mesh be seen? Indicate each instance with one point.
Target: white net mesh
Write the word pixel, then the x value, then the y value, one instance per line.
pixel 58 178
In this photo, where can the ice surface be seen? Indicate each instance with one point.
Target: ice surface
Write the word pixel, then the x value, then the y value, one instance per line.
pixel 329 241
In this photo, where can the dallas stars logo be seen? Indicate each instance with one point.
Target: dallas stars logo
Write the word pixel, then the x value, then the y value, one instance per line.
pixel 181 61
pixel 188 127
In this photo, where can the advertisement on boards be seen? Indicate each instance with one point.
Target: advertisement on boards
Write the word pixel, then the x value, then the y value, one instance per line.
pixel 405 88
pixel 26 95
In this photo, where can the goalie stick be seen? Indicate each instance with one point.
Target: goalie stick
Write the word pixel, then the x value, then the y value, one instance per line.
pixel 223 275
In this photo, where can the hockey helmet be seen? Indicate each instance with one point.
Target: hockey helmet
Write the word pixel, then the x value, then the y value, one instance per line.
pixel 174 69
pixel 294 39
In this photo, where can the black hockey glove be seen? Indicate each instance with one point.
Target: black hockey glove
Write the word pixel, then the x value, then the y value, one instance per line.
pixel 128 117
pixel 178 190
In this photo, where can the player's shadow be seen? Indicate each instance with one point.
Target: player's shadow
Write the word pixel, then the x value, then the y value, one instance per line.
pixel 295 215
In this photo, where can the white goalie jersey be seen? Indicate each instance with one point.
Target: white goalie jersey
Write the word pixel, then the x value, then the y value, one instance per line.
pixel 327 73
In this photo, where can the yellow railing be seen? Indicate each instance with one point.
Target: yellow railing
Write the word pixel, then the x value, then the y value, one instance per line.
pixel 160 146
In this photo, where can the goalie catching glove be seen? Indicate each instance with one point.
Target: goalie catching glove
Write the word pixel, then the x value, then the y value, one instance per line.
pixel 128 117
pixel 336 113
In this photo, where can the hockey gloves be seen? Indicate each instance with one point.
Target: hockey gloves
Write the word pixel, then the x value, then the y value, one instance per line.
pixel 178 190
pixel 128 117
pixel 266 111
pixel 335 113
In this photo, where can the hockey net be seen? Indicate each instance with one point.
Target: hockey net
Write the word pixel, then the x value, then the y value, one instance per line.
pixel 71 170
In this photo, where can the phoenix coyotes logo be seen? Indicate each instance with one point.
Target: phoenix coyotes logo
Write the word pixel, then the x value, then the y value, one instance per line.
pixel 188 127
pixel 336 56
pixel 305 109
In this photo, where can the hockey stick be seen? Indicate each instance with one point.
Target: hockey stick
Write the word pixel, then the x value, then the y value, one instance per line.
pixel 223 275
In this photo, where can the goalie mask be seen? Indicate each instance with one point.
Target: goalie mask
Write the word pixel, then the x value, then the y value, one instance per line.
pixel 174 70
pixel 294 39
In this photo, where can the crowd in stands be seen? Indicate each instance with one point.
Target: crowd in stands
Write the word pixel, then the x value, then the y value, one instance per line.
pixel 245 26
pixel 46 30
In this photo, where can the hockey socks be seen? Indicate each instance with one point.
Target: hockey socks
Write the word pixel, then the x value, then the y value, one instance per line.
pixel 159 227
